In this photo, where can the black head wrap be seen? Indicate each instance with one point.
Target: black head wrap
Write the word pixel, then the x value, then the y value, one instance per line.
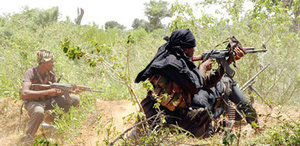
pixel 171 62
pixel 183 38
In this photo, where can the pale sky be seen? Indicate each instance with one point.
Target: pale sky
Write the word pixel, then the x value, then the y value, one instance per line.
pixel 98 11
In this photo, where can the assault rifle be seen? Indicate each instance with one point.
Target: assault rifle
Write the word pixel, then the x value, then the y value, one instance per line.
pixel 221 55
pixel 66 88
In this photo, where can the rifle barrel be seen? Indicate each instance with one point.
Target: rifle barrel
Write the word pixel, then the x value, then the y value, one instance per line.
pixel 246 48
pixel 256 51
pixel 249 48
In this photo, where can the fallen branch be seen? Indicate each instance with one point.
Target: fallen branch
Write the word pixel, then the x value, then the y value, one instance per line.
pixel 137 124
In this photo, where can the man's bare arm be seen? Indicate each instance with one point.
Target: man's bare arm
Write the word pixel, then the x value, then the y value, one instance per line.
pixel 197 58
pixel 27 94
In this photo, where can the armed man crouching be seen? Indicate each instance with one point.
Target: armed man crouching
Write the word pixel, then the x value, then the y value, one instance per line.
pixel 38 100
pixel 176 79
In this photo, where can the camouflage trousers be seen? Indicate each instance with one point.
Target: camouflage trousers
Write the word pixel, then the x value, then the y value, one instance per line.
pixel 36 111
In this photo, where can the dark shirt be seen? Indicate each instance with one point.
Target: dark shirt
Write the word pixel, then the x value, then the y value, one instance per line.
pixel 31 75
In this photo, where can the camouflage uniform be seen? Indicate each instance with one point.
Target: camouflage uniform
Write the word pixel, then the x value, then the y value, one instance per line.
pixel 170 93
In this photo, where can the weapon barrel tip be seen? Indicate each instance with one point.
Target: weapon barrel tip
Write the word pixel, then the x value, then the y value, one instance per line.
pixel 249 48
pixel 262 50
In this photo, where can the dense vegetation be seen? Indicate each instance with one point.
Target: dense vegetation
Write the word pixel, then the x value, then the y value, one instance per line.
pixel 110 59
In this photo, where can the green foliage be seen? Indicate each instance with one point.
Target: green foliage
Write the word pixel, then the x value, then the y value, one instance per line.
pixel 43 142
pixel 229 139
pixel 73 52
pixel 286 133
pixel 140 23
pixel 147 85
pixel 113 24
pixel 68 124
pixel 140 34
pixel 156 11
pixel 111 132
pixel 35 18
pixel 184 17
pixel 159 136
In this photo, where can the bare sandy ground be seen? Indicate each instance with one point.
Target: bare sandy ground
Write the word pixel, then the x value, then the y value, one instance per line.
pixel 113 115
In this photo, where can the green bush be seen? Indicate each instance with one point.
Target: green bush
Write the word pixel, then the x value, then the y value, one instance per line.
pixel 286 133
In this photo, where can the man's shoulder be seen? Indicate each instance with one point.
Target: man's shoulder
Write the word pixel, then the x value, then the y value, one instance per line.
pixel 29 75
pixel 30 69
pixel 29 72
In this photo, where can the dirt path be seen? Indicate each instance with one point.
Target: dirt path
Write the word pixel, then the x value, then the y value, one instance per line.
pixel 11 129
pixel 110 116
pixel 107 113
pixel 111 113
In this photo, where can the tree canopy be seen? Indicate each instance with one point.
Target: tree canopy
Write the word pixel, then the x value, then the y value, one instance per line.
pixel 114 24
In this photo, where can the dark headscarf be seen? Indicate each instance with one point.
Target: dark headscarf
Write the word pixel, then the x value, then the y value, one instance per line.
pixel 183 38
pixel 170 61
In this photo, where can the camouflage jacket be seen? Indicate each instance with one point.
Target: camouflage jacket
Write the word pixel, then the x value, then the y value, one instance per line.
pixel 170 94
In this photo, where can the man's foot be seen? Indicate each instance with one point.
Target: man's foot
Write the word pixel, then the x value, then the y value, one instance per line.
pixel 45 125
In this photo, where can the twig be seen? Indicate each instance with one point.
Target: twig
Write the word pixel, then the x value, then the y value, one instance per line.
pixel 128 81
pixel 239 135
pixel 125 81
pixel 292 93
pixel 137 124
pixel 156 117
pixel 284 93
pixel 275 82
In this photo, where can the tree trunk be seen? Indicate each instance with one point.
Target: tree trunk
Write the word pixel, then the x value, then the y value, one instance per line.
pixel 80 13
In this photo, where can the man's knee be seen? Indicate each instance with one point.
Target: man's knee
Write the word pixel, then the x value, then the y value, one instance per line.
pixel 38 113
pixel 75 100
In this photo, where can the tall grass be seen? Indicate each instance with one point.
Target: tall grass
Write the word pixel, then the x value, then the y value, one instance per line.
pixel 22 35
